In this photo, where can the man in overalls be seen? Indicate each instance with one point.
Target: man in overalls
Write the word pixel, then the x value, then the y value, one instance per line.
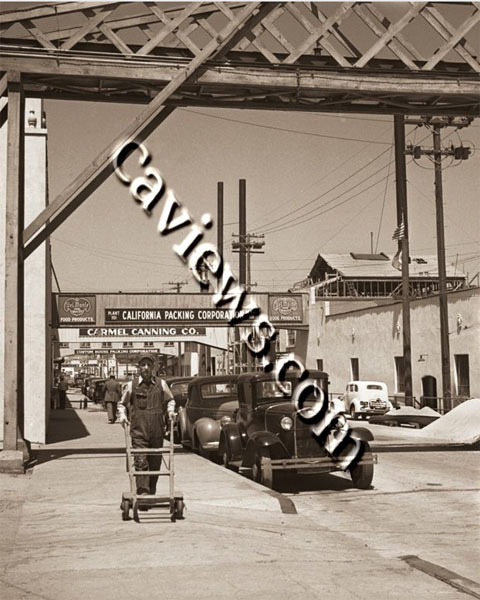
pixel 144 401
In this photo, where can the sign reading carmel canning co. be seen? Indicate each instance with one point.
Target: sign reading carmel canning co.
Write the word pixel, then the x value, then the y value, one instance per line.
pixel 285 308
pixel 75 308
pixel 166 331
pixel 164 316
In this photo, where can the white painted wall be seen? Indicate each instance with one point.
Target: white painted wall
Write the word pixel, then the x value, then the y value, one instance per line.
pixel 374 336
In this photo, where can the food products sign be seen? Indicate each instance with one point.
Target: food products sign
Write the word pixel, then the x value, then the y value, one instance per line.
pixel 74 309
pixel 285 308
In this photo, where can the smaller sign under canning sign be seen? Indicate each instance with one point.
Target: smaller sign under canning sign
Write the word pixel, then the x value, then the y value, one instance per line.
pixel 285 308
pixel 76 309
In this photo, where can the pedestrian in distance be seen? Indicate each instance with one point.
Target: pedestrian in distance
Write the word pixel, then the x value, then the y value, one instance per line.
pixel 62 392
pixel 112 393
pixel 144 402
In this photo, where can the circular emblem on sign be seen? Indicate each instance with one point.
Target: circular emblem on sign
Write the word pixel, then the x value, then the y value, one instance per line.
pixel 76 307
pixel 285 305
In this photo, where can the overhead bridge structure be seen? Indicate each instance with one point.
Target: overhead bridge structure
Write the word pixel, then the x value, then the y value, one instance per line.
pixel 418 58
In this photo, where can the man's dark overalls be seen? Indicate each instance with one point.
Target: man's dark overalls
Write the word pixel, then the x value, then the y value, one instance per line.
pixel 147 427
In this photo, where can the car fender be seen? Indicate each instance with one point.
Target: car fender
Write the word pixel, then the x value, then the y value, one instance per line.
pixel 361 433
pixel 205 430
pixel 261 440
pixel 231 438
pixel 356 403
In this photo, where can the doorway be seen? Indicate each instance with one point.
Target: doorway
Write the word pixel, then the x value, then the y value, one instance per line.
pixel 429 391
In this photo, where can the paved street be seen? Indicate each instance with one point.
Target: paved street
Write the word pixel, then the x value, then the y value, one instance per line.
pixel 63 537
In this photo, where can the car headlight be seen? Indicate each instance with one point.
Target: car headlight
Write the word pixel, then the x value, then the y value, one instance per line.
pixel 224 420
pixel 286 423
pixel 364 403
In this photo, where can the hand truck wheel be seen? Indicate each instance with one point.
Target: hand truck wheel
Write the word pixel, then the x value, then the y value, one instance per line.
pixel 125 510
pixel 179 507
pixel 135 514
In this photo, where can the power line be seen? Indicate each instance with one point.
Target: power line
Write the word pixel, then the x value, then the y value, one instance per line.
pixel 273 127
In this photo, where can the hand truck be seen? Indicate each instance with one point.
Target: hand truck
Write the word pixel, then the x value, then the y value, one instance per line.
pixel 132 500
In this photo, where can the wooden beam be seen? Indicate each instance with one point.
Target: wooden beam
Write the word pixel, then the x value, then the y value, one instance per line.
pixel 459 34
pixel 446 30
pixel 363 81
pixel 47 10
pixel 139 128
pixel 13 317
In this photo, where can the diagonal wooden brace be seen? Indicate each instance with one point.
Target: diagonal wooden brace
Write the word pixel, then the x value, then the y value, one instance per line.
pixel 102 166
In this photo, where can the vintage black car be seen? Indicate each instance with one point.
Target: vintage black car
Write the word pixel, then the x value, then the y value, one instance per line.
pixel 179 388
pixel 269 437
pixel 212 402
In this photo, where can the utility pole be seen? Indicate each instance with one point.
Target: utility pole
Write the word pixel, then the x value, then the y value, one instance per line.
pixel 220 218
pixel 403 246
pixel 459 153
pixel 248 247
pixel 177 285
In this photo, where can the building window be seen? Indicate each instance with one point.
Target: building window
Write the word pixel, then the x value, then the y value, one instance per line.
pixel 354 369
pixel 291 337
pixel 148 344
pixel 106 344
pixel 84 344
pixel 64 345
pixel 462 375
pixel 399 374
pixel 128 344
pixel 319 364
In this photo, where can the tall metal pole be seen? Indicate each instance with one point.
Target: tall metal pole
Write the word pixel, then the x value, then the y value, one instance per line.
pixel 442 275
pixel 242 231
pixel 402 215
pixel 12 458
pixel 220 217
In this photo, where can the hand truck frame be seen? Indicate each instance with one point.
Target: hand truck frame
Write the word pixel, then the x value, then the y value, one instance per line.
pixel 132 500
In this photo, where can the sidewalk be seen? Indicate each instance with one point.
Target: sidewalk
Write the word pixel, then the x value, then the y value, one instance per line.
pixel 63 537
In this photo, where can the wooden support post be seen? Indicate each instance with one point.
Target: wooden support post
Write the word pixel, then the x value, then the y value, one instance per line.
pixel 402 216
pixel 11 458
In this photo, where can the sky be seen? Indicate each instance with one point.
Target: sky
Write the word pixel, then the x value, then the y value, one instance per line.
pixel 315 184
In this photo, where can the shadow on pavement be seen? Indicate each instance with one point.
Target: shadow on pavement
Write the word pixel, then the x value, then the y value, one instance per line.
pixel 43 455
pixel 65 425
pixel 312 483
pixel 393 447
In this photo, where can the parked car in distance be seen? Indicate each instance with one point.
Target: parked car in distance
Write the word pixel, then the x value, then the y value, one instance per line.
pixel 212 401
pixel 179 388
pixel 268 437
pixel 365 398
pixel 79 380
pixel 95 390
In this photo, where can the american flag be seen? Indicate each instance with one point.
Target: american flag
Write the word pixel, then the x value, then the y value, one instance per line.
pixel 399 233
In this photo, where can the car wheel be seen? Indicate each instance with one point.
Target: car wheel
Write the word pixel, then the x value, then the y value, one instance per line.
pixel 362 475
pixel 262 471
pixel 353 414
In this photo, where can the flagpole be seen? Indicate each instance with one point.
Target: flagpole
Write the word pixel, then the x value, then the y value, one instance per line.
pixel 403 247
